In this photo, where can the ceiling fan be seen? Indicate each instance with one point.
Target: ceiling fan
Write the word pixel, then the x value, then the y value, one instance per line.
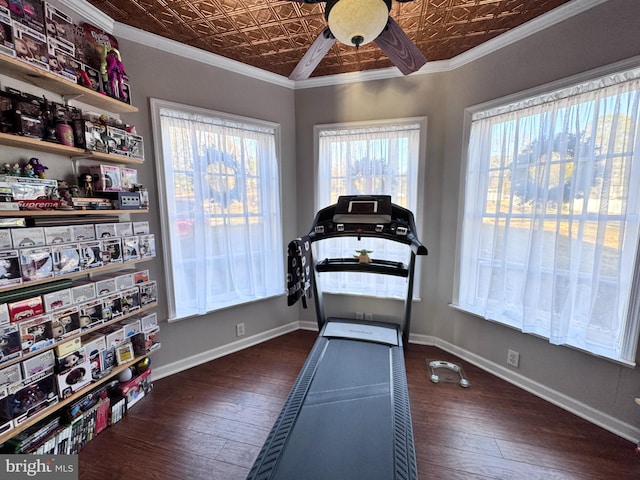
pixel 357 22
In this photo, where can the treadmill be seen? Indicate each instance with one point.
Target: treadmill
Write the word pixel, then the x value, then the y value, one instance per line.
pixel 347 416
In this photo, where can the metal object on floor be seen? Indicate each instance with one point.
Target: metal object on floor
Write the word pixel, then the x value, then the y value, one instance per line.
pixel 436 365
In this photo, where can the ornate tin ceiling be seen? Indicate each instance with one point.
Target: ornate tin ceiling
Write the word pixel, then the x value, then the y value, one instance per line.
pixel 274 34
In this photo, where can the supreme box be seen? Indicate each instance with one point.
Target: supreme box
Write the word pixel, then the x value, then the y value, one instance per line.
pixel 10 274
pixel 57 300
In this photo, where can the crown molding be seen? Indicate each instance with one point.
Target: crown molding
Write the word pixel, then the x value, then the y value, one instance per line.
pixel 94 16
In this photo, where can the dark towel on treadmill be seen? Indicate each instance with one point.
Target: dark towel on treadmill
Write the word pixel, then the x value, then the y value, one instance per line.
pixel 299 270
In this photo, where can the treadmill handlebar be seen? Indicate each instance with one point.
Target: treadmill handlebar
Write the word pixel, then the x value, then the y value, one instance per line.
pixel 400 228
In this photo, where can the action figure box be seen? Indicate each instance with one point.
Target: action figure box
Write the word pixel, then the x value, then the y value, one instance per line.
pixel 107 359
pixel 36 334
pixel 73 372
pixel 135 146
pixel 145 342
pixel 6 422
pixel 23 117
pixel 30 14
pixel 10 274
pixel 59 27
pixel 4 314
pixel 135 389
pixel 105 230
pixel 124 229
pixel 128 178
pixel 95 136
pixel 117 141
pixel 5 238
pixel 66 323
pixel 141 276
pixel 36 263
pixel 92 77
pixel 149 323
pixel 26 188
pixel 131 327
pixel 148 292
pixel 90 254
pixel 105 285
pixel 66 259
pixel 130 300
pixel 81 233
pixel 28 237
pixel 10 374
pixel 94 346
pixel 32 396
pixel 112 306
pixel 25 309
pixel 124 281
pixel 141 228
pixel 90 314
pixel 61 63
pixel 6 33
pixel 130 249
pixel 111 251
pixel 106 178
pixel 83 292
pixel 147 246
pixel 113 335
pixel 40 363
pixel 31 46
pixel 57 300
pixel 68 346
pixel 10 346
pixel 58 234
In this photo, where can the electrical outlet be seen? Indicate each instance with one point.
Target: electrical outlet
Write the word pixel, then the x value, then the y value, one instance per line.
pixel 239 329
pixel 513 358
pixel 359 316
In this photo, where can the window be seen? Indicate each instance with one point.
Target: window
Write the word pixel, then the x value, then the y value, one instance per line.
pixel 550 224
pixel 380 158
pixel 221 204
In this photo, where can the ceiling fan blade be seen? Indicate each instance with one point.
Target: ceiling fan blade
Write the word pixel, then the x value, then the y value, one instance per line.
pixel 400 49
pixel 314 55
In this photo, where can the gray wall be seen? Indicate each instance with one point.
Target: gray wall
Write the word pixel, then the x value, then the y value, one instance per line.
pixel 597 37
pixel 158 74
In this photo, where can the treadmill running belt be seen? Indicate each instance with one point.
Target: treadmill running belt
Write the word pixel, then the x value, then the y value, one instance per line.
pixel 349 420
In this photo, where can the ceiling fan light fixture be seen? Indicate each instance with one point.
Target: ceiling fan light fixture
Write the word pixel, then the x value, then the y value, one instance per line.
pixel 357 22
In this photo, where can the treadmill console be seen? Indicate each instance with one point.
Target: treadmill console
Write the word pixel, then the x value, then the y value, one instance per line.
pixel 361 209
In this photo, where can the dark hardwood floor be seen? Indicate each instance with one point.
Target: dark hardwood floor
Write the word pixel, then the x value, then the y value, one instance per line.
pixel 209 422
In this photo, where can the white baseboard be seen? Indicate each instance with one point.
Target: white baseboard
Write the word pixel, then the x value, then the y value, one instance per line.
pixel 609 423
pixel 203 357
pixel 624 430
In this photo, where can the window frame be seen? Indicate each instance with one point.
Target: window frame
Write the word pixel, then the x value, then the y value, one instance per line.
pixel 155 107
pixel 505 102
pixel 422 122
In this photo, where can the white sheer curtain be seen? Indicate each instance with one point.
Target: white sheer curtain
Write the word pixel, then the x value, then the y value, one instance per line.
pixel 223 204
pixel 550 228
pixel 375 159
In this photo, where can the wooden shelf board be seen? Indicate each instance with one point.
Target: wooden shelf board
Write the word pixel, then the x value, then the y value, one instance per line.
pixel 48 81
pixel 66 213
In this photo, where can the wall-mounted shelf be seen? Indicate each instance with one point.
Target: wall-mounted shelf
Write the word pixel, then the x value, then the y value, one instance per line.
pixel 66 213
pixel 48 81
pixel 28 143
